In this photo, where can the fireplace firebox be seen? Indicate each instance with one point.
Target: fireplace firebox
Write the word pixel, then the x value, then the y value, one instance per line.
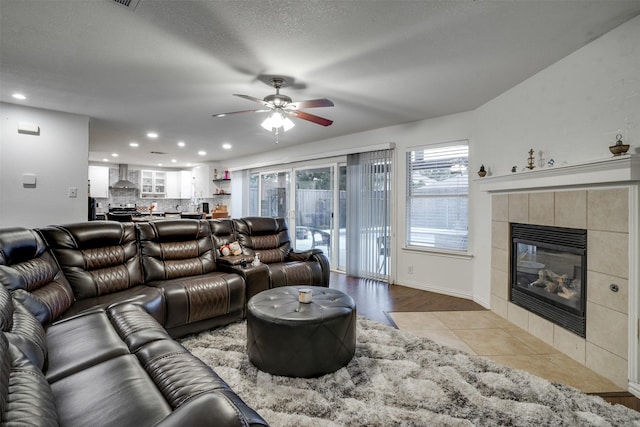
pixel 549 273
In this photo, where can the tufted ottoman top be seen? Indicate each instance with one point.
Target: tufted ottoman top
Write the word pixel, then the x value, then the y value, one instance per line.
pixel 290 338
pixel 281 305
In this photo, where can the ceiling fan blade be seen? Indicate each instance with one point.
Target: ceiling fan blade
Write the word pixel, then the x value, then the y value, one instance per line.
pixel 311 118
pixel 311 103
pixel 239 112
pixel 254 99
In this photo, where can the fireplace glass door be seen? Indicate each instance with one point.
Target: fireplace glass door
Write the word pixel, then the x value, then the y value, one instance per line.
pixel 548 273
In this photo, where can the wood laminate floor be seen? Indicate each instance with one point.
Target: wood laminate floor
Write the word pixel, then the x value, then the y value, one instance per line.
pixel 375 300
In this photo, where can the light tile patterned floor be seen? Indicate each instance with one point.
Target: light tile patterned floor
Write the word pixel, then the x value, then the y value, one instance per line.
pixel 487 334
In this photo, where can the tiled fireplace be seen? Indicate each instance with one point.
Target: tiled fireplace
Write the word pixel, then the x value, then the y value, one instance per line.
pixel 601 210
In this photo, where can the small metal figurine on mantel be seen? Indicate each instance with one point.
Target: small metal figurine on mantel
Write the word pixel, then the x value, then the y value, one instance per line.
pixel 530 165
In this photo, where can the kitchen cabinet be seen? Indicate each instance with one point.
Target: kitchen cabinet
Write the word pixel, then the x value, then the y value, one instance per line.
pixel 153 183
pixel 99 181
pixel 186 185
pixel 173 185
pixel 201 182
pixel 179 185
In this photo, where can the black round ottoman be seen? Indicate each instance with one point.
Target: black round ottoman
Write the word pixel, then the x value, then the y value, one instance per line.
pixel 290 338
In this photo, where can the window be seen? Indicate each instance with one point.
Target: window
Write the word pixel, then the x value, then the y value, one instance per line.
pixel 437 196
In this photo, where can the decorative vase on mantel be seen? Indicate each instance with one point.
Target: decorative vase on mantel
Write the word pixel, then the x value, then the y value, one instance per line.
pixel 482 172
pixel 618 148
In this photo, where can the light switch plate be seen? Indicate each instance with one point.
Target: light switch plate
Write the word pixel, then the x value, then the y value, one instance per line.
pixel 29 179
pixel 73 191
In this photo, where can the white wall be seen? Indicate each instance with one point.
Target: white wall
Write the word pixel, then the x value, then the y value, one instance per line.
pixel 59 159
pixel 571 111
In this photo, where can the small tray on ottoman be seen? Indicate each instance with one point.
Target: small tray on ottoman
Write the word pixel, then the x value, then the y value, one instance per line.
pixel 290 338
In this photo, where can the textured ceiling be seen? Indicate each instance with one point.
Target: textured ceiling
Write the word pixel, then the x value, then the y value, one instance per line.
pixel 169 65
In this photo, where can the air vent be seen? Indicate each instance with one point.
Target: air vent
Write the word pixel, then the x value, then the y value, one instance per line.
pixel 129 4
pixel 157 152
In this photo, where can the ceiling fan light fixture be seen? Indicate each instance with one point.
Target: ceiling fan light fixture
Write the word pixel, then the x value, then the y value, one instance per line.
pixel 287 124
pixel 277 120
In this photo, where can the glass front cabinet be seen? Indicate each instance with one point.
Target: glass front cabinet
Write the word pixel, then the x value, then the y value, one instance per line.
pixel 154 183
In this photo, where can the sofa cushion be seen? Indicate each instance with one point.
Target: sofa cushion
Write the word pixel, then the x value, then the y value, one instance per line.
pixel 28 269
pixel 267 236
pixel 175 248
pixel 97 257
pixel 135 327
pixel 22 329
pixel 116 392
pixel 25 395
pixel 222 232
pixel 80 342
pixel 151 298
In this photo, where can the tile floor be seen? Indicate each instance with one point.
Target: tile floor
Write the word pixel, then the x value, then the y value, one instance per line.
pixel 487 334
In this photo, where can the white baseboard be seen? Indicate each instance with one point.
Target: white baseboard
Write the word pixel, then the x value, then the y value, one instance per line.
pixel 634 388
pixel 436 289
pixel 486 304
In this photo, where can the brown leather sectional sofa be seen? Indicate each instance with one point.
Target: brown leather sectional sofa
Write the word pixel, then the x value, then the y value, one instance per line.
pixel 89 313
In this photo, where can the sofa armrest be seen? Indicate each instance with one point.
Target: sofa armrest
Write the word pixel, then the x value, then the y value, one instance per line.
pixel 296 255
pixel 232 260
pixel 313 255
pixel 256 277
pixel 212 407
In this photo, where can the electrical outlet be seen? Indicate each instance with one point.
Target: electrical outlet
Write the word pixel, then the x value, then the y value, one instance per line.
pixel 73 191
pixel 410 269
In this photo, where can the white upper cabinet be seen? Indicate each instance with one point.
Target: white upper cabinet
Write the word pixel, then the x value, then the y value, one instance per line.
pixel 179 185
pixel 153 183
pixel 99 181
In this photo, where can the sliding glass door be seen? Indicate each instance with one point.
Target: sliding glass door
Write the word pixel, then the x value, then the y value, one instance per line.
pixel 314 207
pixel 274 194
pixel 308 198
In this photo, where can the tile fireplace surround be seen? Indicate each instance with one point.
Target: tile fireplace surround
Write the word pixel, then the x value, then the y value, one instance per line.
pixel 601 197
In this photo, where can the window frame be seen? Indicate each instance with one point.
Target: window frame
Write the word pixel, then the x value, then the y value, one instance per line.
pixel 453 239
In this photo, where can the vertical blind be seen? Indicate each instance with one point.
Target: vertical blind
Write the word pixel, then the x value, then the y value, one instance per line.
pixel 437 196
pixel 368 214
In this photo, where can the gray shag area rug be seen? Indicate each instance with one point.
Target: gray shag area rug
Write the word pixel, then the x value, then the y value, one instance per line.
pixel 399 379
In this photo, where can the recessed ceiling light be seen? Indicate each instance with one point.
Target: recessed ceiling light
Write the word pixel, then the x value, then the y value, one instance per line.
pixel 114 154
pixel 159 164
pixel 173 160
pixel 202 153
pixel 226 146
pixel 19 96
pixel 152 135
pixel 188 164
pixel 105 160
pixel 134 144
pixel 181 144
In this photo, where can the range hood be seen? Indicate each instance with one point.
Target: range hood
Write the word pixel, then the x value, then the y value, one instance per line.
pixel 123 178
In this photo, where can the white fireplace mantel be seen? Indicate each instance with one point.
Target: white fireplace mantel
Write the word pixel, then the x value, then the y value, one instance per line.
pixel 622 169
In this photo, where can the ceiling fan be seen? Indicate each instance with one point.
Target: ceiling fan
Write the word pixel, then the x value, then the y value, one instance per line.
pixel 281 107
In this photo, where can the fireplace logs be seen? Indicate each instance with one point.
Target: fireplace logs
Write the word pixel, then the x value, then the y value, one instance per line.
pixel 558 284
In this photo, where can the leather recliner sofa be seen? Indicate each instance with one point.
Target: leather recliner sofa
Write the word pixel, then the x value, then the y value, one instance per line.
pixel 270 239
pixel 87 327
pixel 110 363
